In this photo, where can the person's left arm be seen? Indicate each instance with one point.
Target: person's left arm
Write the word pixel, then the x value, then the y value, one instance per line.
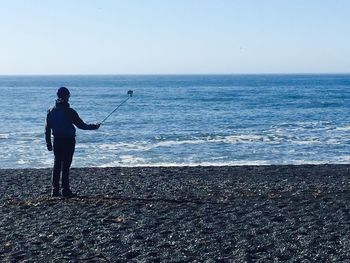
pixel 77 121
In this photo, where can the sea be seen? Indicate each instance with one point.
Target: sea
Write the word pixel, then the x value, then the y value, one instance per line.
pixel 182 120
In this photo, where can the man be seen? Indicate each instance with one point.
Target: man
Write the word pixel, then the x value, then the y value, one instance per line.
pixel 60 120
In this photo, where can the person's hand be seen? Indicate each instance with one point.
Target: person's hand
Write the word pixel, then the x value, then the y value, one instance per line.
pixel 97 125
pixel 49 147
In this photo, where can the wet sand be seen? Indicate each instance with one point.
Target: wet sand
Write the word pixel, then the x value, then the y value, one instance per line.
pixel 179 214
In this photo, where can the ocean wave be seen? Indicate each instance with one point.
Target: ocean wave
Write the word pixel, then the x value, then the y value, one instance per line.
pixel 23 161
pixel 343 160
pixel 125 160
pixel 229 139
pixel 344 128
pixel 177 164
pixel 137 146
pixel 4 136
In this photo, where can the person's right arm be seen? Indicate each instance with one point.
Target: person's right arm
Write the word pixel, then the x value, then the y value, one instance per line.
pixel 48 128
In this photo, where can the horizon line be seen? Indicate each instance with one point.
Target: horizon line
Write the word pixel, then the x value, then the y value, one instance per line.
pixel 172 74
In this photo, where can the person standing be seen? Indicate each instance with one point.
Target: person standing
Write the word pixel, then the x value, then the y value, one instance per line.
pixel 61 120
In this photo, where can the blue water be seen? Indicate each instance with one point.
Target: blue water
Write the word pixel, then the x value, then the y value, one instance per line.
pixel 183 120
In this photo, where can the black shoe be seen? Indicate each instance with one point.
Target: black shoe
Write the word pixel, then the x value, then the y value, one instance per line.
pixel 69 194
pixel 55 194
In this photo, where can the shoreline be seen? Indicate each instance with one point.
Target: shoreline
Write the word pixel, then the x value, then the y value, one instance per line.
pixel 174 166
pixel 279 213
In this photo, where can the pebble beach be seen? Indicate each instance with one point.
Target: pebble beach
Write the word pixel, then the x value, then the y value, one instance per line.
pixel 276 213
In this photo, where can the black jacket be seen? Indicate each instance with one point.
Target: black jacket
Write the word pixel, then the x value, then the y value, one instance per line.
pixel 60 120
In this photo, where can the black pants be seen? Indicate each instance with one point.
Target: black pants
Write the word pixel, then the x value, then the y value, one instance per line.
pixel 63 149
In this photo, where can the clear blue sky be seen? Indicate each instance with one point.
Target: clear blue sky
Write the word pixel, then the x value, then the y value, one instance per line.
pixel 174 36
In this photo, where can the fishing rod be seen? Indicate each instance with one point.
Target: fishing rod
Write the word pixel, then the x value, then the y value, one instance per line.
pixel 130 93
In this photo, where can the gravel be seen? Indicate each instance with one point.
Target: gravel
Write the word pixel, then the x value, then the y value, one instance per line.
pixel 178 214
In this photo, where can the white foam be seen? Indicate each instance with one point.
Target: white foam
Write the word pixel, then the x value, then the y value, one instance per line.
pixel 4 135
pixel 146 146
pixel 22 161
pixel 47 162
pixel 244 138
pixel 189 164
pixel 344 159
pixel 345 128
pixel 130 146
pixel 179 142
pixel 131 159
pixel 127 161
pixel 334 141
pixel 300 162
pixel 230 139
pixel 306 142
pixel 110 164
